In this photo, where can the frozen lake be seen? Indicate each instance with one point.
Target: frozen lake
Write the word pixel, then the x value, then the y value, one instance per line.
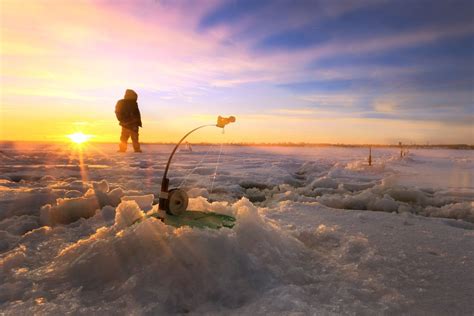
pixel 318 231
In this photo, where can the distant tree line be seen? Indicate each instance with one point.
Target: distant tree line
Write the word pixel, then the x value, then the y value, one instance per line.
pixel 291 144
pixel 5 144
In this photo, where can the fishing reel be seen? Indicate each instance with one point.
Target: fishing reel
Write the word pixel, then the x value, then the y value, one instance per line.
pixel 175 201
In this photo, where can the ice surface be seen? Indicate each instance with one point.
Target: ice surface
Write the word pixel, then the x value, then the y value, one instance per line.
pixel 318 232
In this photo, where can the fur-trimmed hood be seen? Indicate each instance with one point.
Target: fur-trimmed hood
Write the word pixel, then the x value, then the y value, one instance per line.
pixel 130 95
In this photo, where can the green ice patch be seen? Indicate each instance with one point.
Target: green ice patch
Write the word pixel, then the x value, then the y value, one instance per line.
pixel 198 219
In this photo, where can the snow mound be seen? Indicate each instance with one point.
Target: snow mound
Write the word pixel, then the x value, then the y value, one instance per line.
pixel 325 182
pixel 19 225
pixel 183 269
pixel 127 213
pixel 144 201
pixel 464 211
pixel 168 270
pixel 68 210
pixel 388 197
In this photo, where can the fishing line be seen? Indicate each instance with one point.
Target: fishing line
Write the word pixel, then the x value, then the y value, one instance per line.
pixel 217 165
pixel 197 166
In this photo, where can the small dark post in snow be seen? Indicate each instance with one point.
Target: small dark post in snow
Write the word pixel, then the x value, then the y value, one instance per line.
pixel 370 155
pixel 401 149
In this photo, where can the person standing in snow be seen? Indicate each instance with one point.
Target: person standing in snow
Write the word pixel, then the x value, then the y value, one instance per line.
pixel 128 114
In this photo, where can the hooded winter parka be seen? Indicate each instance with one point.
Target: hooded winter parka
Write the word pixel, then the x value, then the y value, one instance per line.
pixel 127 111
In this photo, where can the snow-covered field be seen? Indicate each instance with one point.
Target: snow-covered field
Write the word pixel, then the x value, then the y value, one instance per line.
pixel 318 232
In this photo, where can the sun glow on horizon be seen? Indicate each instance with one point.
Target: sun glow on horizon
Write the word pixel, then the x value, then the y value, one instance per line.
pixel 79 138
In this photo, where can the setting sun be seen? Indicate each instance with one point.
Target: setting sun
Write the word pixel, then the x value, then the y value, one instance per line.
pixel 79 138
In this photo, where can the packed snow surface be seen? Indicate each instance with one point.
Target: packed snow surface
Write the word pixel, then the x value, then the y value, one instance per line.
pixel 318 231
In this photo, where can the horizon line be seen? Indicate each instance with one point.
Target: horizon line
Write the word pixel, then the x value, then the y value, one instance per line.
pixel 272 144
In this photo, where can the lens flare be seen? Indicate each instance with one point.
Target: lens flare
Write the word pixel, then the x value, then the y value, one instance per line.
pixel 79 138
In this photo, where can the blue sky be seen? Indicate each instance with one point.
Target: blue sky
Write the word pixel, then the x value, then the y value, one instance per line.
pixel 410 60
pixel 436 56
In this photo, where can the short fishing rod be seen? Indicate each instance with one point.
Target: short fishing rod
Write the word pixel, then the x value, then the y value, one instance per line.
pixel 175 201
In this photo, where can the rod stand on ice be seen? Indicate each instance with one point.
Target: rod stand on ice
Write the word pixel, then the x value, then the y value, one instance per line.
pixel 175 201
pixel 370 155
